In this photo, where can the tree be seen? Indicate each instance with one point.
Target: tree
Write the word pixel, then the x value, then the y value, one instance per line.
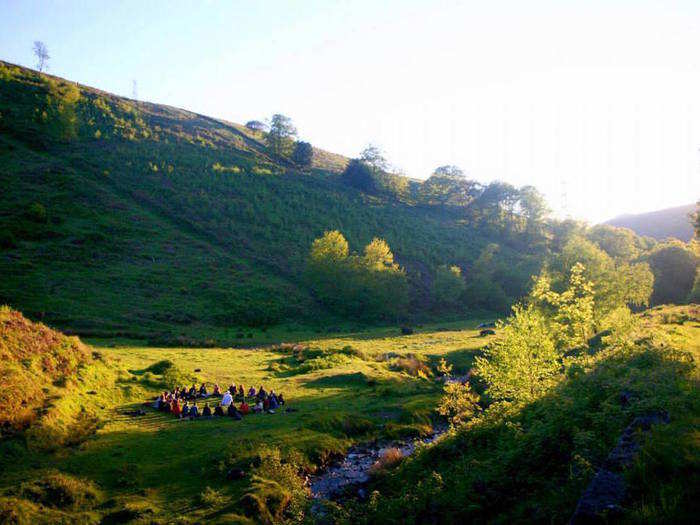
pixel 373 156
pixel 359 175
pixel 370 286
pixel 280 139
pixel 256 125
pixel 458 403
pixel 448 286
pixel 619 243
pixel 571 311
pixel 332 247
pixel 674 265
pixel 532 206
pixel 378 255
pixel 615 283
pixel 522 363
pixel 449 186
pixel 697 221
pixel 303 154
pixel 42 55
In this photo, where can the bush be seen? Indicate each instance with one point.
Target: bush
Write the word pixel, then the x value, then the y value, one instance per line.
pixel 61 491
pixel 412 366
pixel 389 458
pixel 212 498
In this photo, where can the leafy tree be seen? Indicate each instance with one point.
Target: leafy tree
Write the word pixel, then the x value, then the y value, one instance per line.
pixel 695 292
pixel 697 221
pixel 571 311
pixel 533 207
pixel 256 125
pixel 280 139
pixel 371 286
pixel 522 363
pixel 619 243
pixel 303 154
pixel 448 285
pixel 373 156
pixel 41 53
pixel 459 403
pixel 496 204
pixel 378 255
pixel 674 265
pixel 448 186
pixel 614 284
pixel 483 290
pixel 331 248
pixel 359 175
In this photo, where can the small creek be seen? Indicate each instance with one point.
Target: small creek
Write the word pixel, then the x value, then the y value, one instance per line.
pixel 354 469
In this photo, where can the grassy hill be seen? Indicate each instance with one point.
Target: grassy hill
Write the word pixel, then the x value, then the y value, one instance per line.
pixel 125 217
pixel 660 224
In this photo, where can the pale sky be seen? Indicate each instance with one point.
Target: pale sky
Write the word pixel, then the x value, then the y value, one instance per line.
pixel 594 99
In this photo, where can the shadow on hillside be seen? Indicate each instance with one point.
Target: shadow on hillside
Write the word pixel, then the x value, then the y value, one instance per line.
pixel 532 464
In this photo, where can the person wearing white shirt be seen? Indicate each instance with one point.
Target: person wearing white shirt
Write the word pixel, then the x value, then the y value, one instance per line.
pixel 227 399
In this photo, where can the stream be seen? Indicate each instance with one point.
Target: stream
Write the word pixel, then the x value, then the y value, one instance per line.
pixel 354 469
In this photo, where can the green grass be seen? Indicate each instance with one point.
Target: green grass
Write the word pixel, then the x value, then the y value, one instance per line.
pixel 182 229
pixel 355 395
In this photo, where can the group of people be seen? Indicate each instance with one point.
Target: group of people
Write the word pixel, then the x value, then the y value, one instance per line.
pixel 182 402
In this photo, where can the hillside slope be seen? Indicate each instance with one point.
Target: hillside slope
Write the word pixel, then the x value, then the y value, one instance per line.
pixel 123 216
pixel 660 224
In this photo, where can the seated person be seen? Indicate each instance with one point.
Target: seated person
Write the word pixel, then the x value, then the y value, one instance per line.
pixel 167 406
pixel 232 389
pixel 176 409
pixel 218 410
pixel 227 399
pixel 217 391
pixel 158 405
pixel 274 405
pixel 251 392
pixel 194 411
pixel 203 391
pixel 280 399
pixel 241 390
pixel 193 392
pixel 261 393
pixel 185 410
pixel 258 407
pixel 232 412
pixel 266 404
pixel 206 411
pixel 245 408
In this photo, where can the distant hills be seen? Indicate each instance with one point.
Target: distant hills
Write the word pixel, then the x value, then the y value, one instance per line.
pixel 660 224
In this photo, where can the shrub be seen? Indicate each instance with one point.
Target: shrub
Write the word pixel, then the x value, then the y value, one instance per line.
pixel 389 458
pixel 412 366
pixel 61 491
pixel 211 498
pixel 459 403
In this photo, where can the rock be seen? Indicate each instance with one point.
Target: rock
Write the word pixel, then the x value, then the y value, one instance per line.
pixel 405 330
pixel 486 332
pixel 602 500
pixel 197 369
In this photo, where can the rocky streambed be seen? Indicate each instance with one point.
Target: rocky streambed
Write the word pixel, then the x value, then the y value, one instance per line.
pixel 354 470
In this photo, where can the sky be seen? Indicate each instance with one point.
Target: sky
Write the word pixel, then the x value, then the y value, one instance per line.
pixel 596 103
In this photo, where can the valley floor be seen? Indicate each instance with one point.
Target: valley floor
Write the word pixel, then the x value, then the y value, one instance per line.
pixel 346 390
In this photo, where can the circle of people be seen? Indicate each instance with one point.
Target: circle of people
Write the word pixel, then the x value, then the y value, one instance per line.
pixel 182 402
